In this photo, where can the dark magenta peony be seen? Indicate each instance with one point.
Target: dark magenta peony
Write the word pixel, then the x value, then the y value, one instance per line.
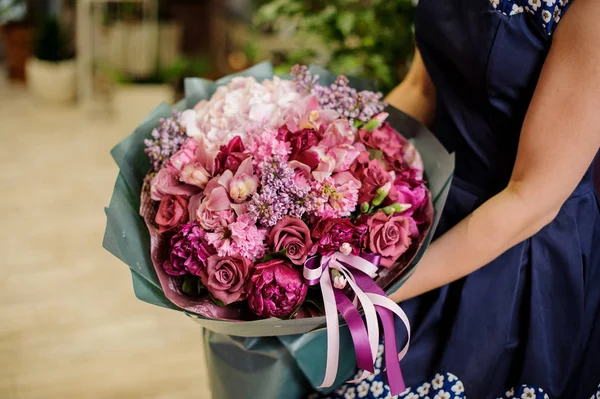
pixel 299 141
pixel 230 156
pixel 330 234
pixel 172 211
pixel 188 252
pixel 293 235
pixel 277 289
pixel 227 277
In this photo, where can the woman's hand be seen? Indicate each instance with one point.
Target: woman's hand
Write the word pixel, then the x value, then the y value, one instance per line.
pixel 559 140
pixel 415 96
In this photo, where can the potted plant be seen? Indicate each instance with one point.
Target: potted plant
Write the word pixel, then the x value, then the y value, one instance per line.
pixel 52 73
pixel 16 33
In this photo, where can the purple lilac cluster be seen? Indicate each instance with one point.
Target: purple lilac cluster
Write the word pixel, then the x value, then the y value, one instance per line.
pixel 166 140
pixel 279 196
pixel 339 96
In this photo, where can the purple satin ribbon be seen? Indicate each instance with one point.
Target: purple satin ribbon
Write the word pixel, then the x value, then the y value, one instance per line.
pixel 359 271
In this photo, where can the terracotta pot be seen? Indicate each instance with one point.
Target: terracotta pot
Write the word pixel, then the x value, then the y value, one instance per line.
pixel 17 47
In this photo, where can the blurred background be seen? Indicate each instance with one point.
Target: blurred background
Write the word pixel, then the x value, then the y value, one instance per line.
pixel 76 77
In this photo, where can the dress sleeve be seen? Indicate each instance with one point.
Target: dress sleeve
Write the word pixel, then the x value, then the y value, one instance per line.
pixel 547 12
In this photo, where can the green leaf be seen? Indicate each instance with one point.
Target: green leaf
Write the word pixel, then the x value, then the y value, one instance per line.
pixel 375 154
pixel 345 22
pixel 216 301
pixel 276 255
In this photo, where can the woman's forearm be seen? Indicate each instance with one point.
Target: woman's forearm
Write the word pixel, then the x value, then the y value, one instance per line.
pixel 500 223
pixel 416 94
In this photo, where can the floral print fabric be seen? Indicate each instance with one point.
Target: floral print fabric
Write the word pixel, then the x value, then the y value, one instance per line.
pixel 548 12
pixel 441 386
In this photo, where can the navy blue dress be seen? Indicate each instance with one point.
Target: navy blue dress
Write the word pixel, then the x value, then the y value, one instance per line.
pixel 532 316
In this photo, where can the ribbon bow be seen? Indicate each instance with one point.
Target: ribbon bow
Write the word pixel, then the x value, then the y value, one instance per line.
pixel 358 272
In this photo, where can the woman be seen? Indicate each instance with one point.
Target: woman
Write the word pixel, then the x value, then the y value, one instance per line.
pixel 509 294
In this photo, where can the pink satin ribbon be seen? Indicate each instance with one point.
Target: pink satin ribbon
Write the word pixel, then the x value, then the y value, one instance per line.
pixel 359 273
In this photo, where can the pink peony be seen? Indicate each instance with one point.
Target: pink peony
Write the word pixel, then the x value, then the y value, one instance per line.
pixel 172 211
pixel 389 236
pixel 166 182
pixel 374 177
pixel 188 252
pixel 226 278
pixel 277 289
pixel 329 235
pixel 241 237
pixel 292 235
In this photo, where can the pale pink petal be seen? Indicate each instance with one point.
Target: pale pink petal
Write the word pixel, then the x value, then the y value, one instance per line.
pixel 218 200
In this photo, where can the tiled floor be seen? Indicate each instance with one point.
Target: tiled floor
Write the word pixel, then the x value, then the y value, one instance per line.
pixel 70 326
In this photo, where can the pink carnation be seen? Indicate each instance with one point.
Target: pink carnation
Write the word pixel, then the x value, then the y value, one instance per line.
pixel 265 145
pixel 241 237
pixel 337 195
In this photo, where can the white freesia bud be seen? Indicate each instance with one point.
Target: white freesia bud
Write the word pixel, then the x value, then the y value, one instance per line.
pixel 339 282
pixel 346 248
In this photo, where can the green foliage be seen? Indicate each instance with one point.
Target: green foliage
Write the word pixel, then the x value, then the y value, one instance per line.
pixel 186 67
pixel 12 11
pixel 51 43
pixel 363 38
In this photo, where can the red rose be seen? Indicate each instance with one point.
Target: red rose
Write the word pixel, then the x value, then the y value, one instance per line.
pixel 172 211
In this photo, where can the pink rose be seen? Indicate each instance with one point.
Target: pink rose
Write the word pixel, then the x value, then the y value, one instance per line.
pixel 226 278
pixel 211 220
pixel 185 155
pixel 374 177
pixel 277 289
pixel 167 182
pixel 389 236
pixel 292 235
pixel 172 212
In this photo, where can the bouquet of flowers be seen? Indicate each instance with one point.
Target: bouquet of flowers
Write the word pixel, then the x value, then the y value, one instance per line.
pixel 279 203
